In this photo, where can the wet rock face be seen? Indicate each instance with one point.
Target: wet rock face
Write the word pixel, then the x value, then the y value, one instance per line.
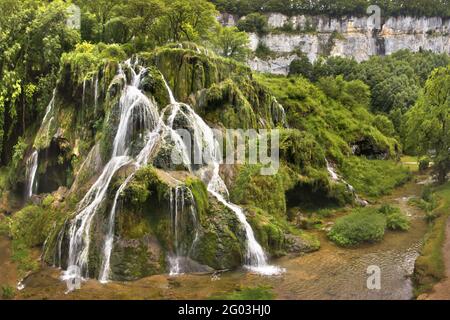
pixel 355 37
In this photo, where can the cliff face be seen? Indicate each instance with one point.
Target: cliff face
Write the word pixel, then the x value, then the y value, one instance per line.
pixel 347 37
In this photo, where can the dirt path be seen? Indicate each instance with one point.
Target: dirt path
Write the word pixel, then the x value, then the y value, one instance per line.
pixel 8 273
pixel 441 291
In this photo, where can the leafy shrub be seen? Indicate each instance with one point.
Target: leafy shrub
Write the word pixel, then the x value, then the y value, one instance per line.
pixel 263 51
pixel 301 66
pixel 254 22
pixel 395 219
pixel 8 292
pixel 19 151
pixel 424 164
pixel 250 293
pixel 362 225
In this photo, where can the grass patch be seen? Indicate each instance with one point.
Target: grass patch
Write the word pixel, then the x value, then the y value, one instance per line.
pixel 411 162
pixel 248 293
pixel 430 266
pixel 374 178
pixel 362 225
pixel 8 292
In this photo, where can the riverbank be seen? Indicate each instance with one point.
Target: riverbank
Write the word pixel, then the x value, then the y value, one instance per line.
pixel 432 272
pixel 8 274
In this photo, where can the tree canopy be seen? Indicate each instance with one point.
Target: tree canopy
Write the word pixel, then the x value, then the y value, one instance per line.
pixel 428 122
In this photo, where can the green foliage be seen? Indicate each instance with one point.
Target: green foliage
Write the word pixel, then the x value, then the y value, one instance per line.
pixel 5 226
pixel 301 150
pixel 86 59
pixel 33 36
pixel 374 178
pixel 200 194
pixel 424 164
pixel 336 8
pixel 362 225
pixel 19 152
pixel 254 22
pixel 8 292
pixel 394 81
pixel 263 51
pixel 31 226
pixel 144 184
pixel 231 43
pixel 248 293
pixel 429 120
pixel 301 66
pixel 265 192
pixel 334 113
pixel 395 219
pixel 430 267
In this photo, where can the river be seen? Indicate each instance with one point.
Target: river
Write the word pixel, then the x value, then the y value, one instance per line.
pixel 330 273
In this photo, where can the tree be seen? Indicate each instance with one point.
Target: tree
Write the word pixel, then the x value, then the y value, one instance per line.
pixel 33 36
pixel 187 20
pixel 254 22
pixel 301 66
pixel 428 122
pixel 139 18
pixel 103 11
pixel 232 43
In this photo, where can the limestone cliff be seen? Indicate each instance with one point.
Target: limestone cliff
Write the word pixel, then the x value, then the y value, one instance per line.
pixel 354 37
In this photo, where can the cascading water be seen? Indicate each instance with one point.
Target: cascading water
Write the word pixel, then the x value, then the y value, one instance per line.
pixel 139 120
pixel 135 108
pixel 31 168
pixel 96 94
pixel 335 177
pixel 204 140
pixel 183 215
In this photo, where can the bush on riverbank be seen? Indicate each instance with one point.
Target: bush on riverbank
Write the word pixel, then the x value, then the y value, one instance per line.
pixel 362 225
pixel 247 293
pixel 430 267
pixel 395 219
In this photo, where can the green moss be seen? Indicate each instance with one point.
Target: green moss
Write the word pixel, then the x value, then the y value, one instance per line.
pixel 265 192
pixel 200 194
pixel 269 230
pixel 221 245
pixel 31 225
pixel 144 184
pixel 249 293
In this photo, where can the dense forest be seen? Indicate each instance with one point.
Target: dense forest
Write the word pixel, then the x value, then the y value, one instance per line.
pixel 89 119
pixel 337 8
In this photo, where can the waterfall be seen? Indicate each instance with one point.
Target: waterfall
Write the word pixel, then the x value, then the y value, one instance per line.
pixel 335 177
pixel 83 99
pixel 182 209
pixel 49 107
pixel 138 115
pixel 31 168
pixel 255 259
pixel 96 94
pixel 141 125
